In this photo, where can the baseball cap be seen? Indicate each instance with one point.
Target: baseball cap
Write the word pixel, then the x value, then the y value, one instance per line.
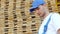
pixel 35 4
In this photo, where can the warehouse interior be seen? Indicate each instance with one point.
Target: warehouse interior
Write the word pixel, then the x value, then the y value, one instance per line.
pixel 15 17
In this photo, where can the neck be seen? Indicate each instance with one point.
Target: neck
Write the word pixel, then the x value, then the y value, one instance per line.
pixel 45 14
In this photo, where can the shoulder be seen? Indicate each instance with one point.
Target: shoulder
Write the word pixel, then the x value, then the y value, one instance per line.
pixel 55 15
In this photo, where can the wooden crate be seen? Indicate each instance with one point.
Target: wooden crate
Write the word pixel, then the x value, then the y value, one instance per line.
pixel 15 13
pixel 53 5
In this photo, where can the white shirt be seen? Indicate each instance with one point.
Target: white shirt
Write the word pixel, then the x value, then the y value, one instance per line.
pixel 53 25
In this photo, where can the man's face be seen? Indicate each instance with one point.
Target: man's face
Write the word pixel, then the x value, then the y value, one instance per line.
pixel 40 11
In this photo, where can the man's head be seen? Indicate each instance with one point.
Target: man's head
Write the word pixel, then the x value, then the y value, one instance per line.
pixel 39 7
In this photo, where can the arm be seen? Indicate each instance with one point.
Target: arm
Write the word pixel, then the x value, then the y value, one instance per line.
pixel 58 31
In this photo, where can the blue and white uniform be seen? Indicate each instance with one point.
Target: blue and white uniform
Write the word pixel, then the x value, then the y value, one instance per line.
pixel 53 25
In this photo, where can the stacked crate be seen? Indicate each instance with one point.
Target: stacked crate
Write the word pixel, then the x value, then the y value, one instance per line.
pixel 58 5
pixel 30 21
pixel 52 5
pixel 15 17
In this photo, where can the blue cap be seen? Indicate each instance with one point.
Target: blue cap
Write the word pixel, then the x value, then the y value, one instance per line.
pixel 36 3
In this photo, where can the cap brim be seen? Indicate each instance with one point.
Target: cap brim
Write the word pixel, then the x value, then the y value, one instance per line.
pixel 32 9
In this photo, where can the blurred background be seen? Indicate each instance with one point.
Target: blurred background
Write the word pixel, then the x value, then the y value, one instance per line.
pixel 15 17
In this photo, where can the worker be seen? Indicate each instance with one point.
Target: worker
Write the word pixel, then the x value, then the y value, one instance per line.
pixel 51 21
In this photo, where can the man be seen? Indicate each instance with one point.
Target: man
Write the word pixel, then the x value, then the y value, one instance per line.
pixel 51 22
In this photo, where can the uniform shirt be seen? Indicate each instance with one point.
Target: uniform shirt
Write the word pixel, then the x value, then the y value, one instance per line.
pixel 53 25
